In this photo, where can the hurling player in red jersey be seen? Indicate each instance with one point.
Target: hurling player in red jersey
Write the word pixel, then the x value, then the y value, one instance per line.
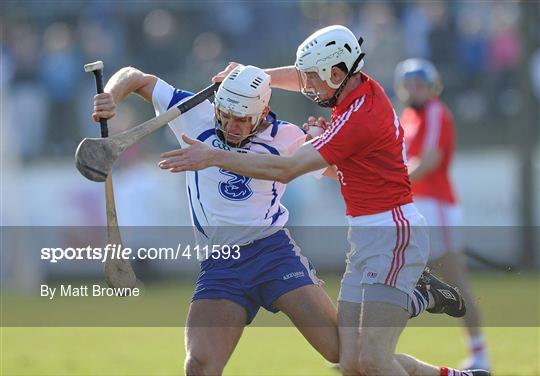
pixel 429 136
pixel 388 236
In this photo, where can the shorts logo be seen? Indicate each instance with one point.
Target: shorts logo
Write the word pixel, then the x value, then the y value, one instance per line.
pixel 372 274
pixel 293 275
pixel 447 294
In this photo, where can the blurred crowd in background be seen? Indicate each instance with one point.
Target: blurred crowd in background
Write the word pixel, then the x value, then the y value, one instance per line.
pixel 488 54
pixel 477 46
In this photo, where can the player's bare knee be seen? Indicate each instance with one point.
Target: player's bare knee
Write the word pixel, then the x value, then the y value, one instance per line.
pixel 202 365
pixel 192 366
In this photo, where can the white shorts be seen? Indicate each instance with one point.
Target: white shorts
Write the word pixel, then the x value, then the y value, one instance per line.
pixel 443 220
pixel 390 248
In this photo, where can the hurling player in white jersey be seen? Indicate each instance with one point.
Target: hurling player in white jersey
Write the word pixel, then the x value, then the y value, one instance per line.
pixel 231 209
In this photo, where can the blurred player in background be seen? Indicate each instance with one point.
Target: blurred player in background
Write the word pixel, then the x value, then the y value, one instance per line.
pixel 429 136
pixel 389 241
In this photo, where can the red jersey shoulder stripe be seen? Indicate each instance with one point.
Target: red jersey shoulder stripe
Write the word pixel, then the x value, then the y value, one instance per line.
pixel 433 125
pixel 340 122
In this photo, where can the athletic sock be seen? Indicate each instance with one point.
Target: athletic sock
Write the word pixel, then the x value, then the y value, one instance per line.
pixel 417 304
pixel 477 347
pixel 450 372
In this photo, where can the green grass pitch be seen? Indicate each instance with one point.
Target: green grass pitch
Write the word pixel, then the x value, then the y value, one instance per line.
pixel 263 350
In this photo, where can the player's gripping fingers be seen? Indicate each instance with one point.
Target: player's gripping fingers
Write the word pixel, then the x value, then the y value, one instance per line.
pixel 221 75
pixel 321 122
pixel 104 107
pixel 310 122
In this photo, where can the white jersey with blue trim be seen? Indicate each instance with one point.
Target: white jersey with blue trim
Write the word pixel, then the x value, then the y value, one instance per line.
pixel 227 208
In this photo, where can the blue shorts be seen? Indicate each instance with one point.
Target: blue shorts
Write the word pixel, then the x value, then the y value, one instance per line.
pixel 266 269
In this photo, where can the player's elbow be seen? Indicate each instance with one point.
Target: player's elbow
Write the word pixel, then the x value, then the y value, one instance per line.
pixel 284 177
pixel 286 171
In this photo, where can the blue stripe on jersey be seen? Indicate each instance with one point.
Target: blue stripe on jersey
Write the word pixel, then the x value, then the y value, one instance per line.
pixel 199 193
pixel 274 197
pixel 272 118
pixel 195 220
pixel 202 137
pixel 276 216
pixel 207 133
pixel 267 147
pixel 178 95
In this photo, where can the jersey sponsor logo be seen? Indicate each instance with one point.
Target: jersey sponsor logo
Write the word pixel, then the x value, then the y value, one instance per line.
pixel 299 274
pixel 220 145
pixel 236 188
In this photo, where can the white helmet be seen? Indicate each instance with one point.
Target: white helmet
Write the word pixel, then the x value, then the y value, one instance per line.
pixel 328 47
pixel 245 92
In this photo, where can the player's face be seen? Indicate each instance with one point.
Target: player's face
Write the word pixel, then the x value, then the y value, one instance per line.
pixel 415 92
pixel 236 128
pixel 313 83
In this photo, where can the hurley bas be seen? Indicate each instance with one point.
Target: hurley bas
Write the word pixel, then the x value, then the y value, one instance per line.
pixel 87 290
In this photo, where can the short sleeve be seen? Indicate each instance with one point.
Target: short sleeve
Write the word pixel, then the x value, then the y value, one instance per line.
pixel 193 122
pixel 165 96
pixel 295 138
pixel 291 137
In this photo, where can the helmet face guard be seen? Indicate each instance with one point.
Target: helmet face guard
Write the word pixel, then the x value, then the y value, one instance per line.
pixel 315 96
pixel 223 118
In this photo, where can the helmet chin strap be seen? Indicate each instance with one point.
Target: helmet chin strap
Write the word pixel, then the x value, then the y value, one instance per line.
pixel 332 101
pixel 222 134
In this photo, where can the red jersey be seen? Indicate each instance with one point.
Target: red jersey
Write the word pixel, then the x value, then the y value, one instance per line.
pixel 431 127
pixel 365 142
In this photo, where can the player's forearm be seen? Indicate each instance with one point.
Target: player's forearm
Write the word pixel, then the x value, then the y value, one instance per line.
pixel 420 167
pixel 127 80
pixel 266 167
pixel 285 78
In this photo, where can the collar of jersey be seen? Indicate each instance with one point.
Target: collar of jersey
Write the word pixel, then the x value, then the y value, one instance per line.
pixel 266 134
pixel 357 92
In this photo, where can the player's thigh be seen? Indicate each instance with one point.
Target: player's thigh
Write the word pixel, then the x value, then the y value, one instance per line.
pixel 348 326
pixel 381 324
pixel 213 329
pixel 313 313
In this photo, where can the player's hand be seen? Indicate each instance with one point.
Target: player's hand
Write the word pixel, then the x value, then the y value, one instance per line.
pixel 221 75
pixel 104 106
pixel 195 157
pixel 315 127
